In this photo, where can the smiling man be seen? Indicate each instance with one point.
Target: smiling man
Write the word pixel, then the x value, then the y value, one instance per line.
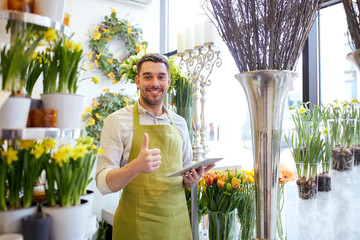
pixel 142 145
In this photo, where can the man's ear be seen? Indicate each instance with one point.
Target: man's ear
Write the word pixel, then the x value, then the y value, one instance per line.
pixel 137 81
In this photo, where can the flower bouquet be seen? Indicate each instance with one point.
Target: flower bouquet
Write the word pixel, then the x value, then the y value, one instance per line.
pixel 222 194
pixel 246 211
pixel 100 109
pixel 307 147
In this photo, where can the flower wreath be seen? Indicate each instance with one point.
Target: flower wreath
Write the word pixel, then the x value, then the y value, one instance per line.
pixel 113 28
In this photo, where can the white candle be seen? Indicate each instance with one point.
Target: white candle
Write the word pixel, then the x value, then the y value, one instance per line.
pixel 199 34
pixel 180 42
pixel 189 38
pixel 209 31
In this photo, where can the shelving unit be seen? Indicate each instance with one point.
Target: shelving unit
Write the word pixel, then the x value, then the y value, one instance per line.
pixel 35 133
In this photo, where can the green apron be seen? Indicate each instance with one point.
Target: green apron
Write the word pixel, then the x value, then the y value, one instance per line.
pixel 153 206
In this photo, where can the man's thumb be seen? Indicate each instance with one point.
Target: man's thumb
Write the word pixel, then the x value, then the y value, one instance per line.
pixel 145 144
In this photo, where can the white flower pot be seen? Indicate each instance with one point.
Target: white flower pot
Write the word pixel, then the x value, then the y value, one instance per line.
pixel 69 108
pixel 89 196
pixel 14 113
pixel 67 222
pixel 10 220
pixel 54 9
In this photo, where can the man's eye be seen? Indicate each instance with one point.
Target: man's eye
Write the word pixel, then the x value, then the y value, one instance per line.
pixel 147 77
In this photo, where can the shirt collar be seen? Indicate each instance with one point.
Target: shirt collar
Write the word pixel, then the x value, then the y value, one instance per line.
pixel 143 111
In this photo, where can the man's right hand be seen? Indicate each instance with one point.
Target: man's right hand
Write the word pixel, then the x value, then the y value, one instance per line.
pixel 148 160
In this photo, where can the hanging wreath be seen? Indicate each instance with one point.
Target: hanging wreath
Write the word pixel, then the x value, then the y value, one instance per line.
pixel 113 28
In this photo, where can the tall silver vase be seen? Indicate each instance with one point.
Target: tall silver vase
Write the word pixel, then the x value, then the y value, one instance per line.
pixel 266 92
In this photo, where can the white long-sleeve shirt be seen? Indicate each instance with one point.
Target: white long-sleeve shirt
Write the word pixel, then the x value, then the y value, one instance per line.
pixel 117 135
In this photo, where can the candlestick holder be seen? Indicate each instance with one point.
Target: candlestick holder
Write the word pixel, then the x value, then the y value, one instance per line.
pixel 199 64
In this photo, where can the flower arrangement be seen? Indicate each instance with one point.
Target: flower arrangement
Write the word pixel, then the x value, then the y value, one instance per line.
pixel 114 28
pixel 307 147
pixel 246 208
pixel 15 61
pixel 21 166
pixel 202 209
pixel 69 170
pixel 222 196
pixel 100 109
pixel 285 175
pixel 60 64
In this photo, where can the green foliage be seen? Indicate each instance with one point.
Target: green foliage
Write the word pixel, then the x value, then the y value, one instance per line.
pixel 113 28
pixel 101 108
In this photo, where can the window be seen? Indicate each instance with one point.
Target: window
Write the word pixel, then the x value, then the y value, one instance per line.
pixel 226 107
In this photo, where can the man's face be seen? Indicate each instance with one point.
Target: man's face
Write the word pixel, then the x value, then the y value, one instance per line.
pixel 153 82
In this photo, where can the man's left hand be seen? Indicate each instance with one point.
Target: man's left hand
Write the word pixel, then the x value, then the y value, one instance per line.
pixel 193 176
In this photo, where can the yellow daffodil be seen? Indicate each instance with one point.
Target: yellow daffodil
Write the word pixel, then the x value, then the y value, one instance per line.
pixel 78 47
pixel 96 79
pixel 34 55
pixel 96 63
pixel 128 24
pixel 89 55
pixel 88 109
pixel 63 155
pixel 111 60
pixel 92 147
pixel 95 104
pixel 79 151
pixel 109 39
pixel 90 122
pixel 99 151
pixel 105 30
pixel 142 48
pixel 137 47
pixel 96 28
pixel 111 75
pixel 50 35
pixel 49 143
pixel 98 56
pixel 129 31
pixel 38 151
pixel 27 144
pixel 11 155
pixel 83 115
pixel 68 44
pixel 106 90
pixel 353 101
pixel 97 115
pixel 115 94
pixel 113 10
pixel 96 36
pixel 302 110
pixel 115 82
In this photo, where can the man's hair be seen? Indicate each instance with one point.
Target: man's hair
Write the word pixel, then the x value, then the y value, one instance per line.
pixel 153 57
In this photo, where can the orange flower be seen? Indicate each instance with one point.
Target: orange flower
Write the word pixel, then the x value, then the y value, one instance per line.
pixel 285 174
pixel 209 179
pixel 220 183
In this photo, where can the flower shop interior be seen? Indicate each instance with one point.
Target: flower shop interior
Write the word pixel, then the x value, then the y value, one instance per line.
pixel 269 88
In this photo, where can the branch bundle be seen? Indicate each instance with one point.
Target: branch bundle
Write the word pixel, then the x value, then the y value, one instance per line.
pixel 263 34
pixel 352 9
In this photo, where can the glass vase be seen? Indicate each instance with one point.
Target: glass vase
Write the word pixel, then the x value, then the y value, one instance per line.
pixel 246 213
pixel 221 225
pixel 281 220
pixel 306 180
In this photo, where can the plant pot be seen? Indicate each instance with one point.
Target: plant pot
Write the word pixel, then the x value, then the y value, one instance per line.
pixel 10 220
pixel 221 225
pixel 69 108
pixel 89 196
pixel 54 9
pixel 14 113
pixel 67 222
pixel 36 227
pixel 306 180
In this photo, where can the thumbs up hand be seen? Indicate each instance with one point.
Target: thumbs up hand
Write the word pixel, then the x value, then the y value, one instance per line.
pixel 148 160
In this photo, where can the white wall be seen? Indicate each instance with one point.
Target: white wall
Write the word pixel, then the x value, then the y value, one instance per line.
pixel 87 14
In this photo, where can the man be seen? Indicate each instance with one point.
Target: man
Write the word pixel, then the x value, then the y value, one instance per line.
pixel 142 145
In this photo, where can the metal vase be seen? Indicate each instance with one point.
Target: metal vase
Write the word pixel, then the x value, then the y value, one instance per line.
pixel 266 92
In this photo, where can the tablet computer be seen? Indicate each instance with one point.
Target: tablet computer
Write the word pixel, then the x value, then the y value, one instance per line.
pixel 196 165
